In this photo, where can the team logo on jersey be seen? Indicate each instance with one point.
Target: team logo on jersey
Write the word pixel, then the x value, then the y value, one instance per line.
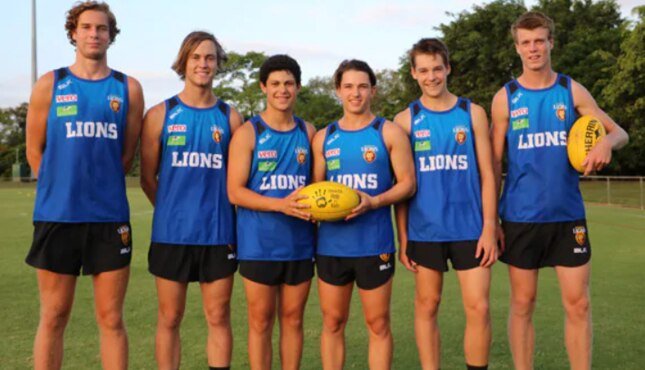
pixel 421 134
pixel 333 138
pixel 217 133
pixel 581 235
pixel 66 110
pixel 176 140
pixel 419 119
pixel 264 138
pixel 64 85
pixel 517 98
pixel 385 257
pixel 519 112
pixel 115 103
pixel 560 111
pixel 335 152
pixel 267 154
pixel 301 155
pixel 124 232
pixel 177 128
pixel 369 153
pixel 460 134
pixel 68 98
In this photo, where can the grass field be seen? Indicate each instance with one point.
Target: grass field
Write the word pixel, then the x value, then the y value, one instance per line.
pixel 617 235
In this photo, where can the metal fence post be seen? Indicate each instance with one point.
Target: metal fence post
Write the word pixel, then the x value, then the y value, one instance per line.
pixel 608 191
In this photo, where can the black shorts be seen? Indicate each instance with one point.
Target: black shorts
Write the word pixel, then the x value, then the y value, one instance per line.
pixel 66 247
pixel 536 245
pixel 186 263
pixel 369 272
pixel 435 255
pixel 277 272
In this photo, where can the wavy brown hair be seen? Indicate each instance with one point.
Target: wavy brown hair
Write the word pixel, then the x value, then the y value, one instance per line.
pixel 71 22
pixel 190 43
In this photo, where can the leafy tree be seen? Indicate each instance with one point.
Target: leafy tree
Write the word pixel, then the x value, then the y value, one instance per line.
pixel 625 97
pixel 238 82
pixel 317 102
pixel 390 96
pixel 12 137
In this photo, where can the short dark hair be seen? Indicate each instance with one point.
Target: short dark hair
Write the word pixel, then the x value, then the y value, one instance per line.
pixel 353 65
pixel 190 43
pixel 279 62
pixel 532 20
pixel 430 46
pixel 71 20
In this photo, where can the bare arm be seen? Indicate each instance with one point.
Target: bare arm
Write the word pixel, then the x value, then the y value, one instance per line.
pixel 403 119
pixel 402 164
pixel 319 166
pixel 239 167
pixel 37 113
pixel 151 150
pixel 487 244
pixel 133 126
pixel 499 113
pixel 616 138
pixel 234 120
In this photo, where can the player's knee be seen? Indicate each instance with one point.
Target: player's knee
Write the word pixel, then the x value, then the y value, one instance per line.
pixel 427 305
pixel 110 320
pixel 379 326
pixel 522 306
pixel 55 319
pixel 261 324
pixel 334 323
pixel 578 308
pixel 291 318
pixel 170 318
pixel 218 316
pixel 478 310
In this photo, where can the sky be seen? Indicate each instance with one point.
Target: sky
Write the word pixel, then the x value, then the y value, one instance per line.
pixel 317 33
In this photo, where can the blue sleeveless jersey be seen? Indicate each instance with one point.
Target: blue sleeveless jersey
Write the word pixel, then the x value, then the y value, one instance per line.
pixel 360 160
pixel 540 186
pixel 81 175
pixel 192 206
pixel 447 205
pixel 281 163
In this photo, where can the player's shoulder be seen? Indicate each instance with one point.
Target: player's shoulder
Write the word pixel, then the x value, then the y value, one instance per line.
pixel 157 111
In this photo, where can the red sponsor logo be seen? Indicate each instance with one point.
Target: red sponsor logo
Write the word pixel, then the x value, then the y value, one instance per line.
pixel 421 134
pixel 176 128
pixel 69 98
pixel 265 154
pixel 519 112
pixel 332 152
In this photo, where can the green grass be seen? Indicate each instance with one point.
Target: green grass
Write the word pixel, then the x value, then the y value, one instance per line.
pixel 617 236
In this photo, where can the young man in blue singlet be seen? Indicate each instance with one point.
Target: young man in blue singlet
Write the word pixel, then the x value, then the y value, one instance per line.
pixel 184 152
pixel 542 213
pixel 453 213
pixel 371 155
pixel 83 125
pixel 270 160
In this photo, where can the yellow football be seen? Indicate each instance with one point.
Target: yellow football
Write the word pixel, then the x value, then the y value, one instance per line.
pixel 584 134
pixel 329 201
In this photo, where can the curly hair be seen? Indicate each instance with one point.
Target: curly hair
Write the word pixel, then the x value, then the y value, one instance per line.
pixel 71 22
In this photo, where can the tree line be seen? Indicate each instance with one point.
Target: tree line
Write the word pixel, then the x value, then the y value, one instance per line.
pixel 594 44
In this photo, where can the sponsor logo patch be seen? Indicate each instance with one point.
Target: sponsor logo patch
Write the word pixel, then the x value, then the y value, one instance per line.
pixel 267 154
pixel 177 128
pixel 519 112
pixel 66 110
pixel 267 166
pixel 264 138
pixel 69 98
pixel 419 119
pixel 175 113
pixel 422 146
pixel 176 140
pixel 64 85
pixel 333 138
pixel 333 164
pixel 124 232
pixel 335 152
pixel 521 123
pixel 421 134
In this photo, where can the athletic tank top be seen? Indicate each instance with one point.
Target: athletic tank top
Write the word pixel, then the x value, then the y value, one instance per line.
pixel 540 186
pixel 447 205
pixel 281 163
pixel 192 206
pixel 81 175
pixel 360 160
